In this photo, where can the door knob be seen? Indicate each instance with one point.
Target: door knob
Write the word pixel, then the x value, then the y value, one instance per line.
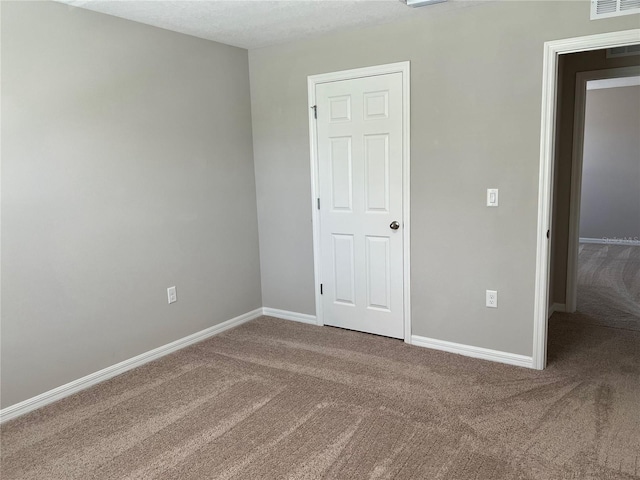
pixel 394 225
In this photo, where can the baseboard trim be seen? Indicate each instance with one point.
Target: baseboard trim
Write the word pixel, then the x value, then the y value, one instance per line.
pixel 83 383
pixel 557 307
pixel 471 351
pixel 610 241
pixel 286 315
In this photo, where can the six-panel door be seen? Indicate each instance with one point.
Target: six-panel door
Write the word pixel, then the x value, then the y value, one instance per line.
pixel 359 130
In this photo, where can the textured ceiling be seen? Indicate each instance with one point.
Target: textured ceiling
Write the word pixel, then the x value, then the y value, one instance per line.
pixel 257 23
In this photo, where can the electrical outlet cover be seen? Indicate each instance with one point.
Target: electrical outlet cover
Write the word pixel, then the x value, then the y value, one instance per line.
pixel 492 299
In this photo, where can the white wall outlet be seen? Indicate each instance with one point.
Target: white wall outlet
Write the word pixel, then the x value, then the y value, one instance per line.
pixel 492 197
pixel 492 298
pixel 172 294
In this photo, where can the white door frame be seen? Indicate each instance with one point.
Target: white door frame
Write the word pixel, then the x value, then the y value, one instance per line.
pixel 571 294
pixel 552 50
pixel 312 81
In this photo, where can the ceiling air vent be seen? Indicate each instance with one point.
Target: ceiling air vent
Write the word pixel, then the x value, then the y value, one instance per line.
pixel 613 8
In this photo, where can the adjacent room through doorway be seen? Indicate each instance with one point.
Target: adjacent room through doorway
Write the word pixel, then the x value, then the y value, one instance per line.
pixel 595 281
pixel 608 273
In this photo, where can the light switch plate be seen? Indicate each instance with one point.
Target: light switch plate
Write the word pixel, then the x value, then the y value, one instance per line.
pixel 172 295
pixel 492 197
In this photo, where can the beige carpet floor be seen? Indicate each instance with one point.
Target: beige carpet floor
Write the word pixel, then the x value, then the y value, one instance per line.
pixel 609 285
pixel 276 399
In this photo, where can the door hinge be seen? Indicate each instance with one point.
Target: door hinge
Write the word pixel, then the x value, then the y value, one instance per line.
pixel 548 233
pixel 315 111
pixel 320 289
pixel 318 204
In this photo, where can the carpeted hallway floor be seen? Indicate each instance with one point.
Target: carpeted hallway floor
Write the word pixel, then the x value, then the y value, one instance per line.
pixel 276 399
pixel 609 285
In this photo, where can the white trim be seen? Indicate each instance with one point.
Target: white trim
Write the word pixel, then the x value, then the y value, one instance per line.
pixel 545 193
pixel 315 189
pixel 286 315
pixel 471 351
pixel 582 81
pixel 312 81
pixel 557 307
pixel 617 82
pixel 75 386
pixel 611 241
pixel 406 201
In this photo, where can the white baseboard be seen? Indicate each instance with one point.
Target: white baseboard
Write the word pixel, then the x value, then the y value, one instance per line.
pixel 285 315
pixel 75 386
pixel 471 351
pixel 83 383
pixel 557 307
pixel 610 241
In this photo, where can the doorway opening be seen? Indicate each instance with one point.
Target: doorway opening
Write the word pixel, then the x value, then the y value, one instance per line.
pixel 569 67
pixel 603 268
pixel 604 197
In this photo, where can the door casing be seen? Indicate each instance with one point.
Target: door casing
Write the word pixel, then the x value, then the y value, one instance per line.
pixel 312 81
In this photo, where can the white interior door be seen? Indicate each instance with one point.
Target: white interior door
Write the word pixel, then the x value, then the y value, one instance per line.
pixel 359 134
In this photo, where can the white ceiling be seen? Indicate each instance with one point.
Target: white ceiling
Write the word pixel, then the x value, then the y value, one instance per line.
pixel 258 23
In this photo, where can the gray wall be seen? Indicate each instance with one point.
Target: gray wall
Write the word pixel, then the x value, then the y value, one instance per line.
pixel 568 67
pixel 476 88
pixel 126 168
pixel 610 205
